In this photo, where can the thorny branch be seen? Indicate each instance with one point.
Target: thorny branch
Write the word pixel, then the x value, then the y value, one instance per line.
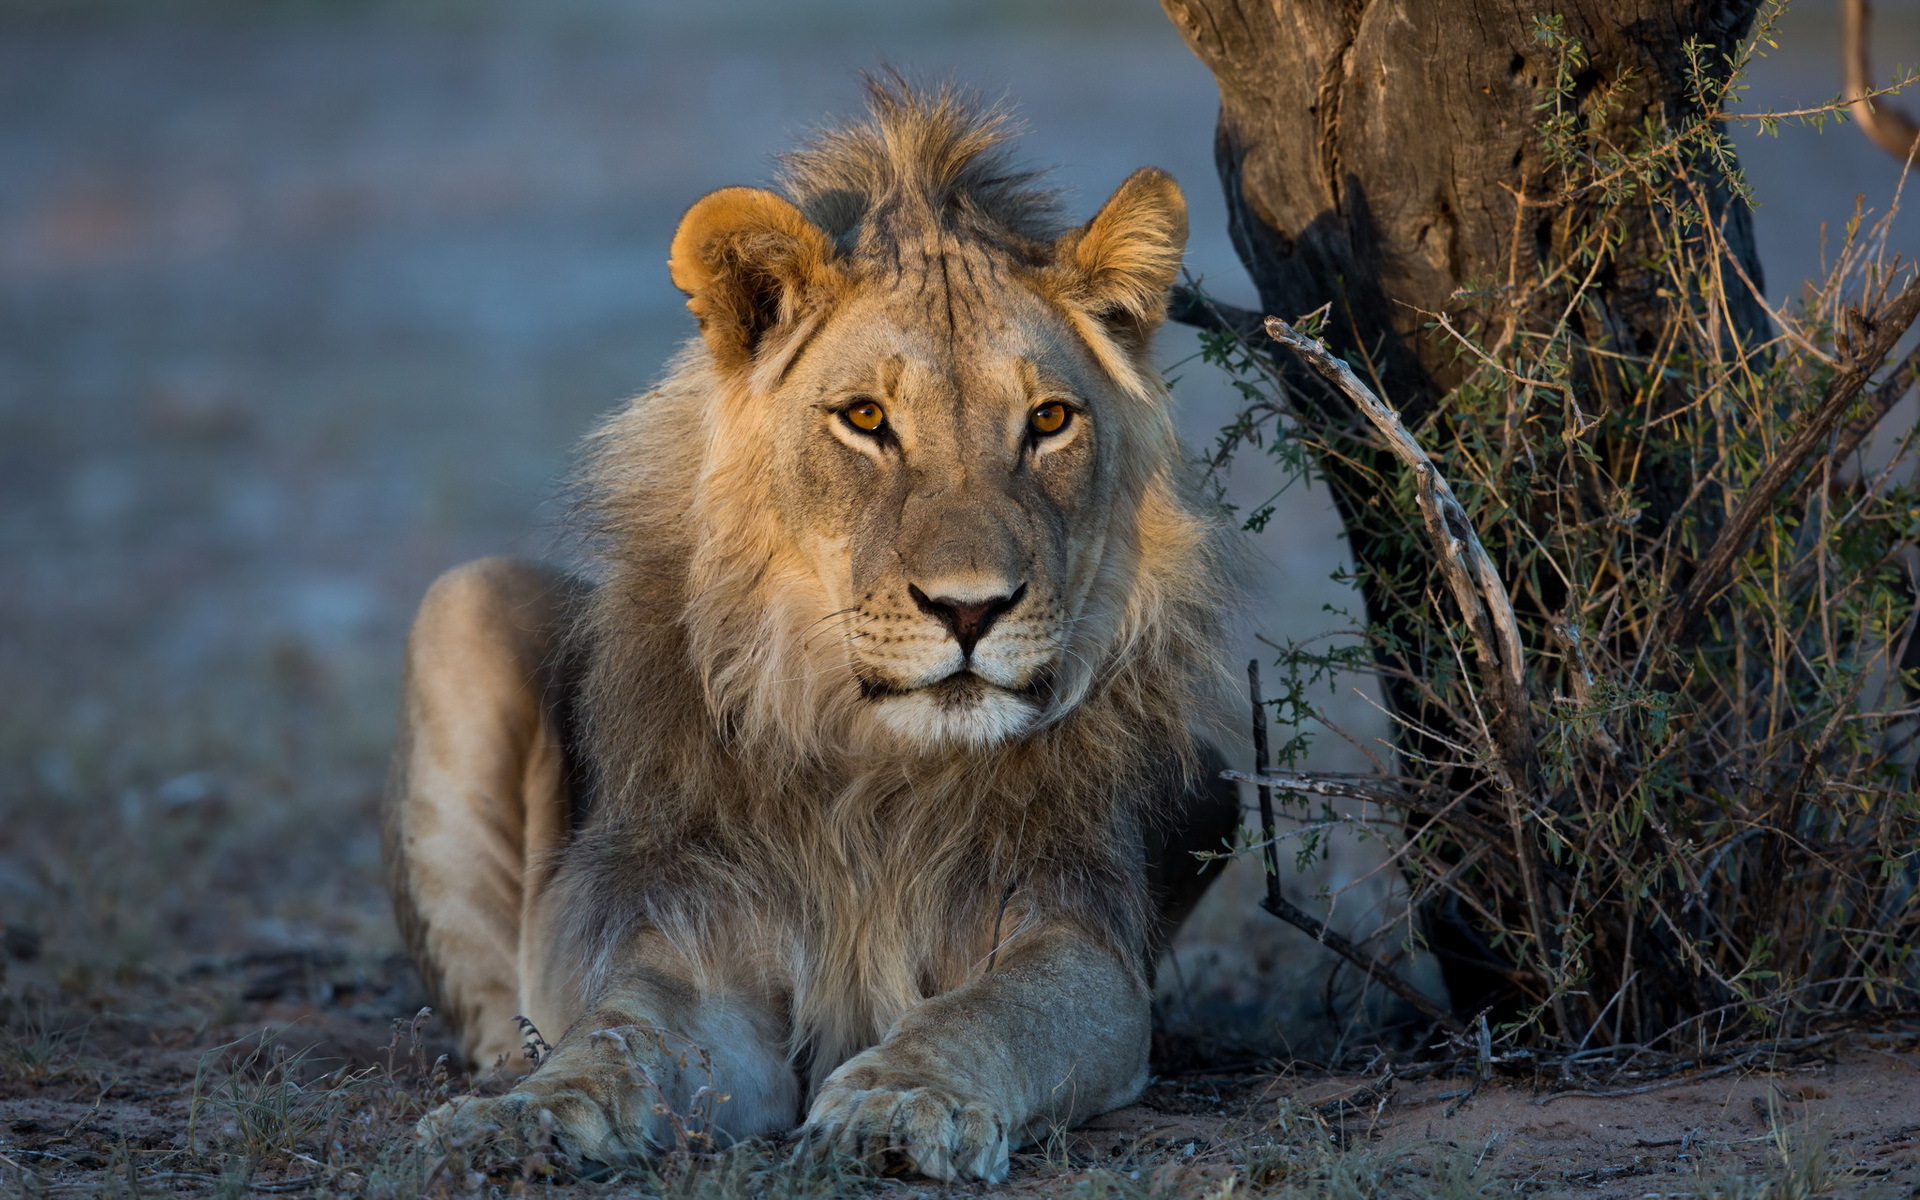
pixel 1483 601
pixel 1882 331
pixel 1464 563
pixel 1373 791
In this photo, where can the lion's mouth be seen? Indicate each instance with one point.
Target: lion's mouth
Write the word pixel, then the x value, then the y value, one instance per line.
pixel 963 708
pixel 961 689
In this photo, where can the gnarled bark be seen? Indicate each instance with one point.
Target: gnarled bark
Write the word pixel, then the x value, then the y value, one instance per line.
pixel 1374 153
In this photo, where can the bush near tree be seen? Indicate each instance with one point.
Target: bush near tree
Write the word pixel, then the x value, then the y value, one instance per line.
pixel 1653 675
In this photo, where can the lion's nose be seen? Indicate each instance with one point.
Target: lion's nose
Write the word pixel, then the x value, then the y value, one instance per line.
pixel 967 620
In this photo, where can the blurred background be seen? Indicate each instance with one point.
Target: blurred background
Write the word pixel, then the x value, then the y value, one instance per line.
pixel 303 302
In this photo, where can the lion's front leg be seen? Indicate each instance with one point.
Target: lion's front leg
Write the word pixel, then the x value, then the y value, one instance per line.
pixel 1056 1036
pixel 636 1074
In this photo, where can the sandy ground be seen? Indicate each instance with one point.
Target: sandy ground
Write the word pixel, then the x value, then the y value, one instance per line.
pixel 301 304
pixel 172 1084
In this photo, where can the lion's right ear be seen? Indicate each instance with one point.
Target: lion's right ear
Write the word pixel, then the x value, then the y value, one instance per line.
pixel 749 262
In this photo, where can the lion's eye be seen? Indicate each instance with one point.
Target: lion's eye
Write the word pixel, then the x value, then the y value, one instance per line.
pixel 1050 417
pixel 866 416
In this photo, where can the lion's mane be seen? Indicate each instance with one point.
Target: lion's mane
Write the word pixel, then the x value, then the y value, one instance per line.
pixel 715 700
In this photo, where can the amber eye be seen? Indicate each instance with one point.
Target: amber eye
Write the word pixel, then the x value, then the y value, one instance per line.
pixel 1050 417
pixel 866 416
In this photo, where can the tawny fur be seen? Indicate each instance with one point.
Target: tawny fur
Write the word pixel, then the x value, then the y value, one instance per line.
pixel 730 778
pixel 753 827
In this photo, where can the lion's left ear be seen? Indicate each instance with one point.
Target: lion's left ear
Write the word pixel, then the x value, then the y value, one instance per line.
pixel 749 262
pixel 1118 266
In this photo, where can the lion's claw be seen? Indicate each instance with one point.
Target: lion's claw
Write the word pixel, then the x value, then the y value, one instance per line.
pixel 470 1120
pixel 935 1133
pixel 567 1123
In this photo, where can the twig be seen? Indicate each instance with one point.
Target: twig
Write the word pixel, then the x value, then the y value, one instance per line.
pixel 1676 1080
pixel 1392 792
pixel 1461 1098
pixel 1464 562
pixel 1659 1085
pixel 1888 127
pixel 1269 853
pixel 1367 1095
pixel 1371 790
pixel 1317 929
pixel 1885 396
pixel 1884 329
pixel 1287 911
pixel 1188 306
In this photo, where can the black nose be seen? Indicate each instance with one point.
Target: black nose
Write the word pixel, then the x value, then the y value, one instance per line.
pixel 967 620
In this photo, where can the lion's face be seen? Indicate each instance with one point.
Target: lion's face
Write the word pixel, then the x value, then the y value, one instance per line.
pixel 950 488
pixel 948 436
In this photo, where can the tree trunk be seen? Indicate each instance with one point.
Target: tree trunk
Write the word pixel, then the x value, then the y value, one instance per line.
pixel 1384 158
pixel 1373 153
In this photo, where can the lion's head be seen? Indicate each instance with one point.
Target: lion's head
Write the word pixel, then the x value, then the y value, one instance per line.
pixel 935 497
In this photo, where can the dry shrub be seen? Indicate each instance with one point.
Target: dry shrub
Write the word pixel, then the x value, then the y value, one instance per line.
pixel 1698 819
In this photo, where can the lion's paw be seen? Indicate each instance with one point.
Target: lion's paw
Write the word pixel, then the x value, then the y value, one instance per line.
pixel 560 1119
pixel 922 1127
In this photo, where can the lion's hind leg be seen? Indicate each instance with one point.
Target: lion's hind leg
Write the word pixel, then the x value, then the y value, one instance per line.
pixel 478 797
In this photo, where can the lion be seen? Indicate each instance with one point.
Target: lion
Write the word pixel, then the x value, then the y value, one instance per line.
pixel 860 786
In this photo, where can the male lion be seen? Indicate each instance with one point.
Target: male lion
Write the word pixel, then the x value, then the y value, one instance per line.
pixel 868 768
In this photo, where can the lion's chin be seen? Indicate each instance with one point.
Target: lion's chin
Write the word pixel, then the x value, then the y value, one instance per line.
pixel 961 710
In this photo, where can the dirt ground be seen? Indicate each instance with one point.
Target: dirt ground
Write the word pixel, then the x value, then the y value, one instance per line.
pixel 1848 1123
pixel 302 303
pixel 283 1074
